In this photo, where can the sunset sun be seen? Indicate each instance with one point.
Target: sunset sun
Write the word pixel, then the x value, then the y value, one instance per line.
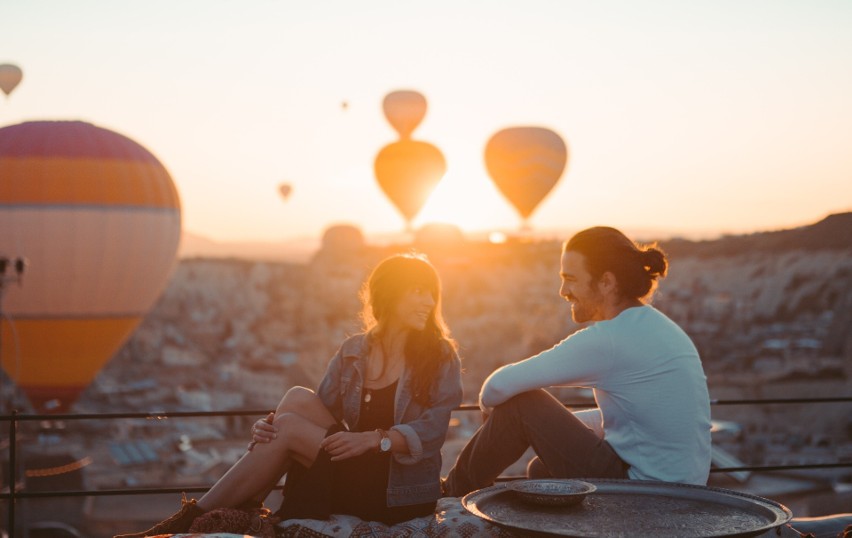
pixel 467 198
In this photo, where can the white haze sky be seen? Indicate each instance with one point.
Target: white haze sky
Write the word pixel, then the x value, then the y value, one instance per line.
pixel 694 117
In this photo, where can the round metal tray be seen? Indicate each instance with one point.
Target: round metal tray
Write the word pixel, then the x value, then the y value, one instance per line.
pixel 634 508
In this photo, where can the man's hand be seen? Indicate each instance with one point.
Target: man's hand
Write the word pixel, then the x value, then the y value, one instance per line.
pixel 345 445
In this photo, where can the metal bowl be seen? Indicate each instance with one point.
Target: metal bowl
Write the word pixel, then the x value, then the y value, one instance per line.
pixel 552 492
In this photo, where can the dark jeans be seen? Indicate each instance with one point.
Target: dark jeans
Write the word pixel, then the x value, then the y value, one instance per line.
pixel 566 448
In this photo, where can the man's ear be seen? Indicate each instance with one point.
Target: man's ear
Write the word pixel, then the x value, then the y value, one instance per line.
pixel 608 283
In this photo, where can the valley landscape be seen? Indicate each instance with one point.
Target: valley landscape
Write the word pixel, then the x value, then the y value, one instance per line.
pixel 771 314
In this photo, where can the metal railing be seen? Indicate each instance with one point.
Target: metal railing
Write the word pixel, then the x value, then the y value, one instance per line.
pixel 14 418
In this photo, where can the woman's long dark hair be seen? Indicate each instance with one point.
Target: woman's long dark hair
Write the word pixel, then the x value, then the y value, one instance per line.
pixel 426 350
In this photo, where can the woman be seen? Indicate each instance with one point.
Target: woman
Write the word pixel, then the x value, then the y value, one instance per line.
pixel 368 442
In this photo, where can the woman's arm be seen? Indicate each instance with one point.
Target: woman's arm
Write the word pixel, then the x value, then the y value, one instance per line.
pixel 344 445
pixel 329 387
pixel 425 435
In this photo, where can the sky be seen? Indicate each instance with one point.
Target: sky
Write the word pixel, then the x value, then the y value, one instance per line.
pixel 696 118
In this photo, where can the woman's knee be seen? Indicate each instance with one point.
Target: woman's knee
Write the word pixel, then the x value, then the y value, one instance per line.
pixel 298 436
pixel 286 421
pixel 288 424
pixel 295 398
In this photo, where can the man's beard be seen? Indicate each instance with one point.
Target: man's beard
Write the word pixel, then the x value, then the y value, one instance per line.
pixel 579 313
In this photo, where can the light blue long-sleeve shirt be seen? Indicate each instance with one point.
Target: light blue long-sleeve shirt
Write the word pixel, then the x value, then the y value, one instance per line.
pixel 649 385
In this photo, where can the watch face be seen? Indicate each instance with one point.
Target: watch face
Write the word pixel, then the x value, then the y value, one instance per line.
pixel 385 444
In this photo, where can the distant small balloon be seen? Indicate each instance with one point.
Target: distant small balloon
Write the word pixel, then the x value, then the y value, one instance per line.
pixel 404 109
pixel 10 77
pixel 525 164
pixel 285 189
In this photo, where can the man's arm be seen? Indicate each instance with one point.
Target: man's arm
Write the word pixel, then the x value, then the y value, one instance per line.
pixel 579 360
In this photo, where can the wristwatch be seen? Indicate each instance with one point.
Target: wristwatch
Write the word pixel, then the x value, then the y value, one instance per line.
pixel 385 442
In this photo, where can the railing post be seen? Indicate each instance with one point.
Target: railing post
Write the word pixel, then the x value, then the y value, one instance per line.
pixel 13 427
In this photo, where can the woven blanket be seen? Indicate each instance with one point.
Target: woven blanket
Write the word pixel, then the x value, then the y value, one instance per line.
pixel 450 520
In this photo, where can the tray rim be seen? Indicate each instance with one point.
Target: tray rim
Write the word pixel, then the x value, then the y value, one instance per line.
pixel 783 514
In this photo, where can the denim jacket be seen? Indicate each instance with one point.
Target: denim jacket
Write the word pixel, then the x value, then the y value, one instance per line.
pixel 414 477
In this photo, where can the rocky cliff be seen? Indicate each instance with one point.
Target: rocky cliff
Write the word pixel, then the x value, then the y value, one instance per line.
pixel 741 298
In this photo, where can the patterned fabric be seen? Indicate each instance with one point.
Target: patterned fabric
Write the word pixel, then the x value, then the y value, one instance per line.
pixel 233 520
pixel 449 520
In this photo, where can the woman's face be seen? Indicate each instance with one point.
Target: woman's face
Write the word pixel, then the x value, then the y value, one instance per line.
pixel 414 308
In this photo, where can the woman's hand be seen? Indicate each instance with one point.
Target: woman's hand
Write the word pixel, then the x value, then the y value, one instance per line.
pixel 345 445
pixel 263 431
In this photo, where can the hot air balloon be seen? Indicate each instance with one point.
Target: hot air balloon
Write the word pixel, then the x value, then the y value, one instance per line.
pixel 404 109
pixel 98 218
pixel 10 77
pixel 285 189
pixel 525 163
pixel 408 171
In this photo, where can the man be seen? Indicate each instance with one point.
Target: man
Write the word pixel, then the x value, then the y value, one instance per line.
pixel 653 415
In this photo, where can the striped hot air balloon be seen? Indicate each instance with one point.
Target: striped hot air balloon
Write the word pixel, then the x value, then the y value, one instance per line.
pixel 97 218
pixel 525 163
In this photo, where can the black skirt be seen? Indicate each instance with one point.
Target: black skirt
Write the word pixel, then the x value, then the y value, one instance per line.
pixel 355 486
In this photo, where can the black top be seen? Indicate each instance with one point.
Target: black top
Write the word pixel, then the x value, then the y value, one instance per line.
pixel 377 408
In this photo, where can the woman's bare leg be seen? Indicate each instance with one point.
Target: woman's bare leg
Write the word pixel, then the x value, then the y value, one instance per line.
pixel 302 422
pixel 305 403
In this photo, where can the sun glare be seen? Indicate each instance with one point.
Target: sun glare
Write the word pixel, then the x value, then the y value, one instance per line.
pixel 467 199
pixel 497 238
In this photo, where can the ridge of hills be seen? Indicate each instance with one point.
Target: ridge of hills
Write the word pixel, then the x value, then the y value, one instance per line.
pixel 834 232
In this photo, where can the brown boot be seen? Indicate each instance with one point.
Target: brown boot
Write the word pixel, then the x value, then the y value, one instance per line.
pixel 178 523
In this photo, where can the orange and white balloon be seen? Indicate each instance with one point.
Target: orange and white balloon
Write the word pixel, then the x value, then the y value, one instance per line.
pixel 98 218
